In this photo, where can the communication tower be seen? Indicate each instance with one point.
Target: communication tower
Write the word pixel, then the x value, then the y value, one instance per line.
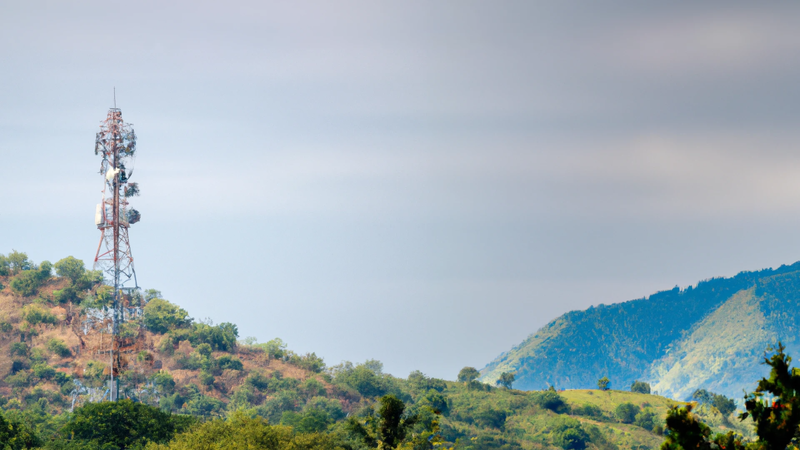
pixel 116 144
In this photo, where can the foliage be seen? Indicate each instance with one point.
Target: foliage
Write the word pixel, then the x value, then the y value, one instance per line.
pixel 723 404
pixel 626 412
pixel 777 421
pixel 604 384
pixel 160 316
pixel 388 429
pixel 568 434
pixel 70 268
pixel 468 374
pixel 640 387
pixel 367 379
pixel 506 380
pixel 34 315
pixel 121 424
pixel 243 432
pixel 58 347
pixel 15 435
pixel 549 399
pixel 27 282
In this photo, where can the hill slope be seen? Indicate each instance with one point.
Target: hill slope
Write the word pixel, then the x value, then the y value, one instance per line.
pixel 709 336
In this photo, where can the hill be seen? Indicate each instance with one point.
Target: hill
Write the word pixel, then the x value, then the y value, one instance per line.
pixel 50 363
pixel 709 336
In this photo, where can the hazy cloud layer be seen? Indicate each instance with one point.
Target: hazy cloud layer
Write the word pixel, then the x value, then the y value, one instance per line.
pixel 465 170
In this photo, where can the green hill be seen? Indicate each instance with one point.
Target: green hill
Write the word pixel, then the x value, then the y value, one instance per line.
pixel 709 336
pixel 199 369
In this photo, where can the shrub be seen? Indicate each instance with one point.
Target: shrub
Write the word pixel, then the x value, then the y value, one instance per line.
pixel 21 378
pixel 18 349
pixel 43 371
pixel 206 378
pixel 549 399
pixel 35 314
pixel 229 362
pixel 626 412
pixel 332 406
pixel 26 283
pixel 58 347
pixel 645 419
pixel 164 382
pixel 587 409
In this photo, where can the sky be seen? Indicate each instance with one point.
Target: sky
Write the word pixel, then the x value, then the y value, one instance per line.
pixel 422 183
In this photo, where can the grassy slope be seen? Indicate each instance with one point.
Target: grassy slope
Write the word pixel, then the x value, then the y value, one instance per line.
pixel 721 355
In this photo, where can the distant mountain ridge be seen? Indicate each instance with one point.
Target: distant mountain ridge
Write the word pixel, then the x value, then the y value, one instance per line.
pixel 710 336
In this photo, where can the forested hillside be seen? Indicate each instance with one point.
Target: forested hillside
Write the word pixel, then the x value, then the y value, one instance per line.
pixel 709 336
pixel 202 373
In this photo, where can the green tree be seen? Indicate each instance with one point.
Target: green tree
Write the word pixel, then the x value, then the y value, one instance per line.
pixel 604 384
pixel 777 420
pixel 640 387
pixel 18 261
pixel 391 426
pixel 626 412
pixel 506 379
pixel 122 424
pixel 468 375
pixel 71 268
pixel 15 435
pixel 568 434
pixel 160 316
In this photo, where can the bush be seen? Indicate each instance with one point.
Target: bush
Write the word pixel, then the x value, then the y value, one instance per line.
pixel 26 283
pixel 35 314
pixel 549 399
pixel 164 382
pixel 645 419
pixel 229 362
pixel 626 412
pixel 568 434
pixel 489 417
pixel 43 371
pixel 18 349
pixel 589 410
pixel 58 347
pixel 21 378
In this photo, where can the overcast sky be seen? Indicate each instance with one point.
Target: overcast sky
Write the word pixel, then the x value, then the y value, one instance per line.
pixel 421 182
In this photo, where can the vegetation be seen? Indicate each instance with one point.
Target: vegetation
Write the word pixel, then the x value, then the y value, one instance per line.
pixel 669 338
pixel 198 386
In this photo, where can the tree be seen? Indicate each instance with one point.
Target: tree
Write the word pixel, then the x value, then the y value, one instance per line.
pixel 122 424
pixel 604 384
pixel 777 420
pixel 626 412
pixel 160 316
pixel 18 261
pixel 15 435
pixel 568 434
pixel 390 428
pixel 468 375
pixel 71 268
pixel 640 387
pixel 506 379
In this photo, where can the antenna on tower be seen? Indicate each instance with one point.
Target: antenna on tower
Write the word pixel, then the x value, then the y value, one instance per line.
pixel 116 143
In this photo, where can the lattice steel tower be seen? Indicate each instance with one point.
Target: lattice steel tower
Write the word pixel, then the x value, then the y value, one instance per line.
pixel 116 143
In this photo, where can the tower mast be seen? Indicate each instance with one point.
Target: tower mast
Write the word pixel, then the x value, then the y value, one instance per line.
pixel 116 143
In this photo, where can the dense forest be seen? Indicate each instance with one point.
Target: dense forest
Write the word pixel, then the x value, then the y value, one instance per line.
pixel 196 384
